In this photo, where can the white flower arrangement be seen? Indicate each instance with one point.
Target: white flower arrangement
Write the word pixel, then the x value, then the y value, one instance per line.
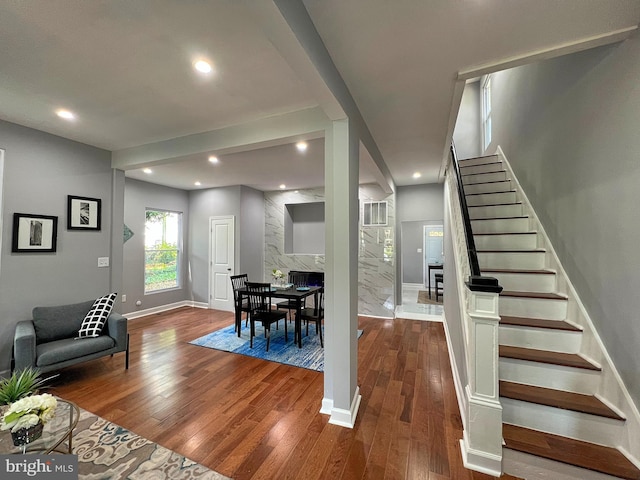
pixel 28 412
pixel 277 274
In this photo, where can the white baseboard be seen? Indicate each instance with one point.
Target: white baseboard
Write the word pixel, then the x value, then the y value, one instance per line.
pixel 480 461
pixel 5 373
pixel 347 418
pixel 164 308
pixel 327 406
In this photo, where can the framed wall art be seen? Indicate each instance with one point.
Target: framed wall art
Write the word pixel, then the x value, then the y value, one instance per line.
pixel 83 213
pixel 34 233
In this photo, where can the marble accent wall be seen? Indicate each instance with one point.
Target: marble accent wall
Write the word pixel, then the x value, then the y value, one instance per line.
pixel 376 255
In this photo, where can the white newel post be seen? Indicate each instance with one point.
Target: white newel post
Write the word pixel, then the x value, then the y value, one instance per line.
pixel 482 439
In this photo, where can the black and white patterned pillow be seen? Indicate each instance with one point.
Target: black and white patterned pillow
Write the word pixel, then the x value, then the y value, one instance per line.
pixel 94 321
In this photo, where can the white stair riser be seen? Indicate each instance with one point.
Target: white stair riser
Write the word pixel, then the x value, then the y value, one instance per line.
pixel 511 260
pixel 484 177
pixel 491 198
pixel 485 168
pixel 487 187
pixel 523 465
pixel 496 211
pixel 546 375
pixel 540 338
pixel 533 308
pixel 581 426
pixel 478 161
pixel 525 282
pixel 500 225
pixel 506 242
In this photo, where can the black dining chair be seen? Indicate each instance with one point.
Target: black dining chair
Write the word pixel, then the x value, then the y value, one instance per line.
pixel 315 314
pixel 237 282
pixel 298 280
pixel 260 304
pixel 439 277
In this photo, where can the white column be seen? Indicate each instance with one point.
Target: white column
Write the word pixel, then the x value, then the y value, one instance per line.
pixel 482 439
pixel 341 393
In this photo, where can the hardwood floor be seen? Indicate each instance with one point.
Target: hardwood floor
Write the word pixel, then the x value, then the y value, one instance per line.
pixel 252 419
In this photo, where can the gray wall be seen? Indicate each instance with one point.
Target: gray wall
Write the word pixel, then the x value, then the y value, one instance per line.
pixel 251 233
pixel 569 126
pixel 467 134
pixel 138 196
pixel 417 206
pixel 40 171
pixel 204 204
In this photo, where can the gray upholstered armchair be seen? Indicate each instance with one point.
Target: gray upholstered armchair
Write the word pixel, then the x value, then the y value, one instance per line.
pixel 50 340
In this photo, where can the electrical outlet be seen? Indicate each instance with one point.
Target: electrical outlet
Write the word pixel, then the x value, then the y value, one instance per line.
pixel 103 261
pixel 124 298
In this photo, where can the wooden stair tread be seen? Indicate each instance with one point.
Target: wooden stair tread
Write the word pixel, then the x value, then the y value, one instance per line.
pixel 497 218
pixel 543 295
pixel 488 193
pixel 494 205
pixel 485 183
pixel 587 455
pixel 517 270
pixel 538 323
pixel 481 173
pixel 515 250
pixel 533 232
pixel 577 402
pixel 544 356
pixel 488 157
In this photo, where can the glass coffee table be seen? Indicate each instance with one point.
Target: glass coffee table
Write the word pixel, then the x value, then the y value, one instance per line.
pixel 54 434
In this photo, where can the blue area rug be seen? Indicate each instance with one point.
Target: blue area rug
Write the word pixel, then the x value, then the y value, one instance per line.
pixel 310 356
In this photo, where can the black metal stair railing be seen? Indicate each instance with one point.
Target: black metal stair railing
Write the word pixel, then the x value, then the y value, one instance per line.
pixel 477 282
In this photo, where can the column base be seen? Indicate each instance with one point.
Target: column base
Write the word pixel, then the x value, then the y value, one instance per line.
pixel 346 418
pixel 480 461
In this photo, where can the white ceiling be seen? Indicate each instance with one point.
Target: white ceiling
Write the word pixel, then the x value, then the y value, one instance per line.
pixel 125 69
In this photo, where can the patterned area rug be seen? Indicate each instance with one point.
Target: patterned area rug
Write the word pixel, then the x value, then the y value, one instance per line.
pixel 310 356
pixel 423 297
pixel 107 451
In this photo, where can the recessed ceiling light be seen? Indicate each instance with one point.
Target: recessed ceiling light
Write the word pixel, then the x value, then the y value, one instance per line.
pixel 417 175
pixel 301 146
pixel 197 184
pixel 203 66
pixel 66 114
pixel 213 159
pixel 147 171
pixel 283 186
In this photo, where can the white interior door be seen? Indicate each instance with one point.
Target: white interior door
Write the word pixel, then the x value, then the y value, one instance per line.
pixel 221 262
pixel 433 249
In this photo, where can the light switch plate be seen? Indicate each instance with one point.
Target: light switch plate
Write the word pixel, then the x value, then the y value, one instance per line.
pixel 103 261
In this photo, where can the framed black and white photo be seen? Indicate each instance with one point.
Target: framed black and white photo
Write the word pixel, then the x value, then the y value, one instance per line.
pixel 83 213
pixel 34 233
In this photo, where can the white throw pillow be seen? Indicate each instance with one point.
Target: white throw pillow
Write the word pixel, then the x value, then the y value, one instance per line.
pixel 94 321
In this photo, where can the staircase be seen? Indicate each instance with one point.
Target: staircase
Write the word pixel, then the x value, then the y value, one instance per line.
pixel 564 413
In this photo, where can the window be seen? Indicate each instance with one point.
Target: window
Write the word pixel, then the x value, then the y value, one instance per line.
pixel 486 112
pixel 374 214
pixel 162 250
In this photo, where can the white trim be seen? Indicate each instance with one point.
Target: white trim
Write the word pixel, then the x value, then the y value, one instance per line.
pixel 1 195
pixel 457 382
pixel 479 461
pixel 327 406
pixel 164 308
pixel 546 53
pixel 5 373
pixel 347 418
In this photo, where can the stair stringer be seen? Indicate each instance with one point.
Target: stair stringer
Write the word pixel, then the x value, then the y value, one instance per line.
pixel 610 387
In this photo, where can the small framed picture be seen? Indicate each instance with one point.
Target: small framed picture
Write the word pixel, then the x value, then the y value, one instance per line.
pixel 34 233
pixel 83 213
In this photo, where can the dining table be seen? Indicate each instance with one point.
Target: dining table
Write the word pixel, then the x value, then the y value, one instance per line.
pixel 289 292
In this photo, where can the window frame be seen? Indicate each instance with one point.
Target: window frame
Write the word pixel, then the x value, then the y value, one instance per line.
pixel 178 249
pixel 486 112
pixel 370 222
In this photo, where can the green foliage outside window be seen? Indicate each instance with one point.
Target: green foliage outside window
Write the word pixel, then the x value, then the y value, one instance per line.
pixel 162 254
